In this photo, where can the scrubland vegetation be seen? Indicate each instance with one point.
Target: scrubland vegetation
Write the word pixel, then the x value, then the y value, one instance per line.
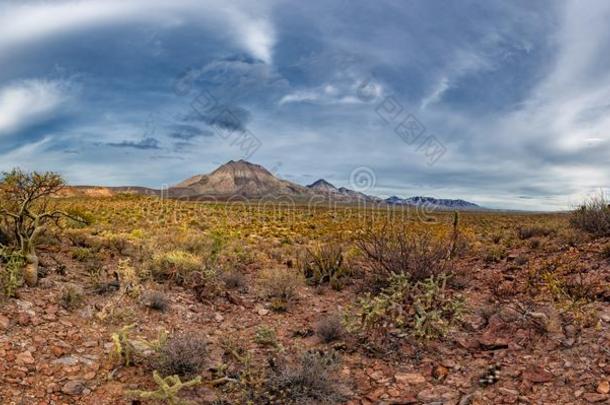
pixel 234 304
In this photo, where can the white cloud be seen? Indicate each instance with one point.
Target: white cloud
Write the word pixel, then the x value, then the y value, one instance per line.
pixel 28 102
pixel 247 22
pixel 344 91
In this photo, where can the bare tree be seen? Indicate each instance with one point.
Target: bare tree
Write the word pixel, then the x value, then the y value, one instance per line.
pixel 26 207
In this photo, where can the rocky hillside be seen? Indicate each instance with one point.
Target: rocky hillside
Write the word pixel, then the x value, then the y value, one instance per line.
pixel 237 178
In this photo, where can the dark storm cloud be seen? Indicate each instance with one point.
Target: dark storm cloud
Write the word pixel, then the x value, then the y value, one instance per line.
pixel 144 144
pixel 188 132
pixel 232 118
pixel 507 87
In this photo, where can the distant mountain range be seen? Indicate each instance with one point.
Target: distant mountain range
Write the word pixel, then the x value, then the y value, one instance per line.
pixel 248 180
pixel 432 202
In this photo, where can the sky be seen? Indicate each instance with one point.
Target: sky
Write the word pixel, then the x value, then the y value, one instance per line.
pixel 505 104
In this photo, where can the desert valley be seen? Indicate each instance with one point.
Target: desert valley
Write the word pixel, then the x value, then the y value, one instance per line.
pixel 188 298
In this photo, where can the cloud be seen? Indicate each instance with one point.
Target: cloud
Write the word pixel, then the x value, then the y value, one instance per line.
pixel 247 24
pixel 350 91
pixel 144 144
pixel 29 102
pixel 226 117
pixel 188 132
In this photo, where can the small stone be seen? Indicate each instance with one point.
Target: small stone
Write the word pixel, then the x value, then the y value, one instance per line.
pixel 603 387
pixel 66 361
pixel 4 322
pixel 489 341
pixel 409 378
pixel 73 388
pixel 594 397
pixel 439 393
pixel 263 311
pixel 474 322
pixel 440 372
pixel 23 319
pixel 218 317
pixel 25 358
pixel 89 376
pixel 538 375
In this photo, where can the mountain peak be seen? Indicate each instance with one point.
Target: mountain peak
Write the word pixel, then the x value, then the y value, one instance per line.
pixel 322 185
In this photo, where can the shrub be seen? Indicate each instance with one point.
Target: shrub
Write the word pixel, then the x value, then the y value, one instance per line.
pixel 280 287
pixel 82 254
pixel 71 296
pixel 323 265
pixel 390 252
pixel 528 232
pixel 330 329
pixel 311 379
pixel 593 216
pixel 184 355
pixel 265 336
pixel 176 265
pixel 156 300
pixel 234 280
pixel 495 254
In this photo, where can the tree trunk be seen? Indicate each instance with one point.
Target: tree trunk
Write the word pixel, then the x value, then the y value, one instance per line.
pixel 30 272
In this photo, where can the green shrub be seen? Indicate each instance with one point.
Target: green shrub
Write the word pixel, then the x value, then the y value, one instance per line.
pixel 176 265
pixel 82 254
pixel 280 287
pixel 265 336
pixel 11 277
pixel 323 265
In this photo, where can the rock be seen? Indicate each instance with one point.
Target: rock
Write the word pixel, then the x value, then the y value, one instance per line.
pixel 538 375
pixel 409 378
pixel 4 322
pixel 66 361
pixel 605 316
pixel 23 319
pixel 73 388
pixel 603 387
pixel 508 314
pixel 489 341
pixel 263 311
pixel 594 397
pixel 474 322
pixel 440 393
pixel 218 317
pixel 25 358
pixel 89 376
pixel 509 396
pixel 440 372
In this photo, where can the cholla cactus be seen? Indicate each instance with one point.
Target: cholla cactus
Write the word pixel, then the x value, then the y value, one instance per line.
pixel 168 389
pixel 123 348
